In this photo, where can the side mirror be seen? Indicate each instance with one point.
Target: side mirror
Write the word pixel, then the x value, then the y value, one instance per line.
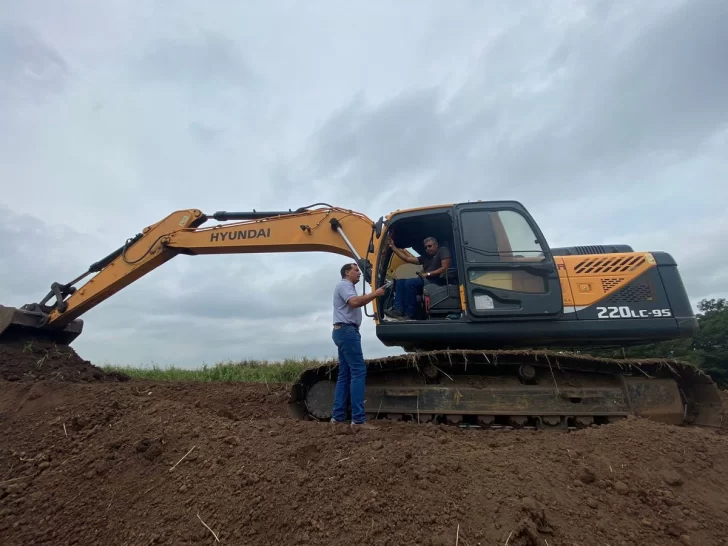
pixel 378 227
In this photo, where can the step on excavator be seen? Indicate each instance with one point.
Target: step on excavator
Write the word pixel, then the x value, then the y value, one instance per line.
pixel 498 340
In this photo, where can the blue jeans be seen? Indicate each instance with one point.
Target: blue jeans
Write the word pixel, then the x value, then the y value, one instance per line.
pixel 352 375
pixel 405 295
pixel 406 291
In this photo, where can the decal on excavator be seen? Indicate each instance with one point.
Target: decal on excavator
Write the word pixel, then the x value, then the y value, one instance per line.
pixel 627 312
pixel 239 235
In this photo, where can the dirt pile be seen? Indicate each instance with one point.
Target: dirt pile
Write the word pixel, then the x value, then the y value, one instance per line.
pixel 33 360
pixel 90 461
pixel 145 463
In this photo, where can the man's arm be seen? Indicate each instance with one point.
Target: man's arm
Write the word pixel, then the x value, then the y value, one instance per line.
pixel 445 260
pixel 402 254
pixel 440 270
pixel 351 298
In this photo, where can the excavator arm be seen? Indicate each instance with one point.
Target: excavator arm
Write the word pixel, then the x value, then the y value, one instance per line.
pixel 308 229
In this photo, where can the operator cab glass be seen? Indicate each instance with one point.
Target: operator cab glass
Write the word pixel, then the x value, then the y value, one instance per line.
pixel 502 267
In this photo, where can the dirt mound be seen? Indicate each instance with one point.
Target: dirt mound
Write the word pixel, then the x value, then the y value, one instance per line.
pixel 152 463
pixel 32 359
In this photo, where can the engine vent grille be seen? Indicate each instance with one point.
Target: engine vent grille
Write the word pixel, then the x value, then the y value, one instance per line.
pixel 609 265
pixel 633 293
pixel 589 249
pixel 609 284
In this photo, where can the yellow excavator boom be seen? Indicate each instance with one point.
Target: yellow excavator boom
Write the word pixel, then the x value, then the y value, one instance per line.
pixel 322 229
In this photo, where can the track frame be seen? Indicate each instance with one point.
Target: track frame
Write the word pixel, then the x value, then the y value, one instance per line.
pixel 511 388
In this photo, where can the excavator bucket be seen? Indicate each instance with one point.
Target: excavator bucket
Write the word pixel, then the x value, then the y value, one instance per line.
pixel 18 324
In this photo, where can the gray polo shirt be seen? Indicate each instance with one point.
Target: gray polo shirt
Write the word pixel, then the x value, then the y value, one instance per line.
pixel 343 312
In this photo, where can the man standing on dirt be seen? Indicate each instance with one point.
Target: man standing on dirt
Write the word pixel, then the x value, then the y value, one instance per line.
pixel 352 369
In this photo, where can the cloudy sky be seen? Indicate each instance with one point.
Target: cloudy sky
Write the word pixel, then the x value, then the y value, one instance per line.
pixel 608 119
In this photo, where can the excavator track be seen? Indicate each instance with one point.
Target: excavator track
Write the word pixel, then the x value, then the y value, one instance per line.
pixel 518 389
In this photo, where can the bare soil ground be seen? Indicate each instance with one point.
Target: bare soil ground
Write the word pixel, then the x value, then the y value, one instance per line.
pixel 90 459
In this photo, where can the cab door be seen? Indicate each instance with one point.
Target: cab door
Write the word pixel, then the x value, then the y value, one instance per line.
pixel 506 265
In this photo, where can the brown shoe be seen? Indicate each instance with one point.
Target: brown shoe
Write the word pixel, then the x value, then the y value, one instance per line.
pixel 362 426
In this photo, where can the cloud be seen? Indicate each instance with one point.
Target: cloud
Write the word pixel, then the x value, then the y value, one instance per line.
pixel 35 254
pixel 585 111
pixel 200 59
pixel 30 69
pixel 604 118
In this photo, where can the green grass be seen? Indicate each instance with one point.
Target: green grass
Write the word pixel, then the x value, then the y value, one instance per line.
pixel 252 371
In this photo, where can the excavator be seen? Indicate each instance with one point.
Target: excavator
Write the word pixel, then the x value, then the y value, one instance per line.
pixel 498 341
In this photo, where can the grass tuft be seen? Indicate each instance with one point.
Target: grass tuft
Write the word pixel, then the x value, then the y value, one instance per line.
pixel 251 371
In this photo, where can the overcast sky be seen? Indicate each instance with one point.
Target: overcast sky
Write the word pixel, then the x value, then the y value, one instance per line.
pixel 607 119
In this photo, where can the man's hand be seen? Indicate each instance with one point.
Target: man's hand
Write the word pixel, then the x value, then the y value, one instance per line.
pixel 361 301
pixel 401 253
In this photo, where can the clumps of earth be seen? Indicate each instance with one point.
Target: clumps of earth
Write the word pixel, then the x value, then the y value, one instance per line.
pixel 27 359
pixel 92 458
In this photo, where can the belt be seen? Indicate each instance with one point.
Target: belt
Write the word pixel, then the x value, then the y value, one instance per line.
pixel 338 325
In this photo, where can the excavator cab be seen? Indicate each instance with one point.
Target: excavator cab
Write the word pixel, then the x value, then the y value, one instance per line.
pixel 502 271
